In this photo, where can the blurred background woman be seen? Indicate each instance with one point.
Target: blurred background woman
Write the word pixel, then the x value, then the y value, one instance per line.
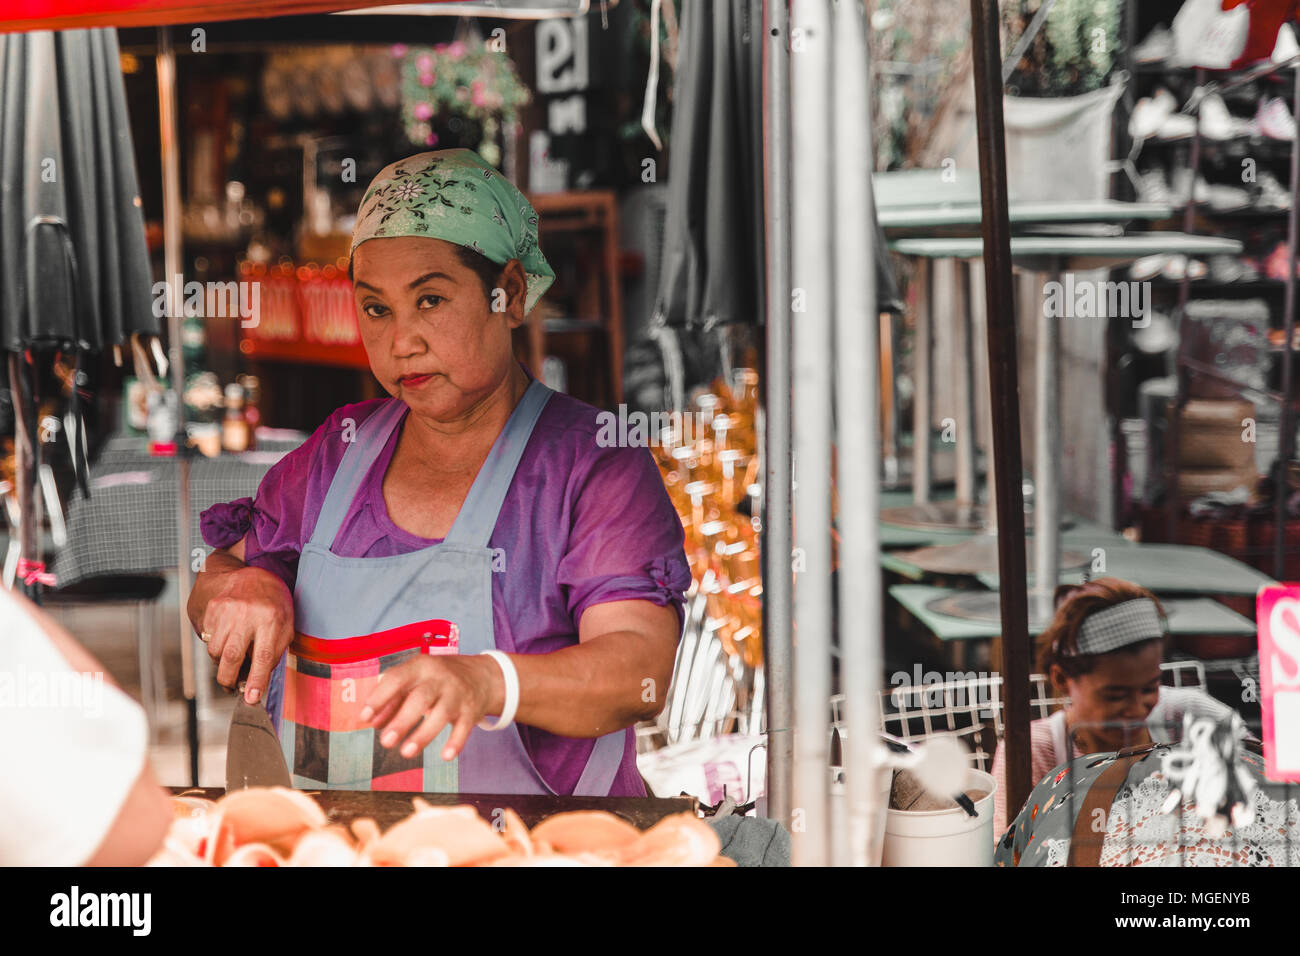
pixel 1103 650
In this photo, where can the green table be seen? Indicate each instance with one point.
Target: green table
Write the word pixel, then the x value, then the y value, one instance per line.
pixel 1073 253
pixel 1185 615
pixel 963 216
pixel 1171 569
pixel 1081 536
pixel 911 188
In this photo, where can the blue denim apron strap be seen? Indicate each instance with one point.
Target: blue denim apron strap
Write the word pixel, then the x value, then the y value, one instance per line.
pixel 602 766
pixel 478 515
pixel 367 443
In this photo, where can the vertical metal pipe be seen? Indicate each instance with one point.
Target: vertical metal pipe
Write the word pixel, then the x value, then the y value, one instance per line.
pixel 27 463
pixel 1004 388
pixel 1286 420
pixel 980 389
pixel 1174 434
pixel 921 413
pixel 857 404
pixel 963 371
pixel 171 179
pixel 1047 452
pixel 778 615
pixel 812 215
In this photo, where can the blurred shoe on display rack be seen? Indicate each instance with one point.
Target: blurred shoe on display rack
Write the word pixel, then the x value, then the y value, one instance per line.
pixel 1274 120
pixel 1277 338
pixel 1272 194
pixel 1250 269
pixel 1150 113
pixel 1278 262
pixel 1151 187
pixel 1286 46
pixel 1180 185
pixel 1157 47
pixel 1177 126
pixel 1217 123
pixel 1158 336
pixel 1221 197
pixel 1226 269
pixel 1148 267
pixel 1178 265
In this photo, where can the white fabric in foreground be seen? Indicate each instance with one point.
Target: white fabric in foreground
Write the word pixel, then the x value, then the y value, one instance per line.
pixel 71 746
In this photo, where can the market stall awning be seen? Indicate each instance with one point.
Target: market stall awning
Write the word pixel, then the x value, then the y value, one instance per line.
pixel 80 14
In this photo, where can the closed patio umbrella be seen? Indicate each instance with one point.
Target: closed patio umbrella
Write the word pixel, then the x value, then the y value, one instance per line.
pixel 74 268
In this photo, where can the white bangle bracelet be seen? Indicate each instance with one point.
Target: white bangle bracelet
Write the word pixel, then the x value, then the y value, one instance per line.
pixel 512 692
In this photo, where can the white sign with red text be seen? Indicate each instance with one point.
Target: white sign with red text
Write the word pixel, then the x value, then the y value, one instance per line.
pixel 1277 612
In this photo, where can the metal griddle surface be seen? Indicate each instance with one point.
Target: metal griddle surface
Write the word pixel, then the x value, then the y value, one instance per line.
pixel 387 807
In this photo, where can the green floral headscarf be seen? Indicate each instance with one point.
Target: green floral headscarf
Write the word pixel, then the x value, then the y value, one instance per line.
pixel 454 195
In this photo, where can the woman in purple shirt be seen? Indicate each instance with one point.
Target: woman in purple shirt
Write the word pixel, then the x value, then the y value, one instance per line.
pixel 457 588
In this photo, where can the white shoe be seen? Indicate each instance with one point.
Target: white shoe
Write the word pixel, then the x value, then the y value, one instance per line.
pixel 1150 112
pixel 1218 123
pixel 1180 186
pixel 1158 336
pixel 1286 46
pixel 1272 194
pixel 1153 188
pixel 1274 120
pixel 1157 47
pixel 1178 265
pixel 1221 197
pixel 1177 126
pixel 1148 267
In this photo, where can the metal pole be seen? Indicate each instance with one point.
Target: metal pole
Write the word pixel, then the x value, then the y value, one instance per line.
pixel 1174 434
pixel 1286 421
pixel 857 403
pixel 777 527
pixel 171 178
pixel 812 215
pixel 963 369
pixel 983 419
pixel 1047 454
pixel 27 464
pixel 921 413
pixel 1004 401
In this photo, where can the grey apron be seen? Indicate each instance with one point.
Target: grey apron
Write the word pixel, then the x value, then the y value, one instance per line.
pixel 378 612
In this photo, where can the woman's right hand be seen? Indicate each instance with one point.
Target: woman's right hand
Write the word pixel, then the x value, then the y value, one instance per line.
pixel 250 616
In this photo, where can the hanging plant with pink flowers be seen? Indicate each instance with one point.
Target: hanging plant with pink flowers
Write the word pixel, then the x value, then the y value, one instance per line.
pixel 463 80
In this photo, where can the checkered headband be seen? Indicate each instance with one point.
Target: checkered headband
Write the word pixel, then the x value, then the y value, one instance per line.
pixel 1120 625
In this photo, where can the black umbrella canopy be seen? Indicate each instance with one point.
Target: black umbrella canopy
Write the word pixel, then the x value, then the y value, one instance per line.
pixel 713 263
pixel 74 268
pixel 714 267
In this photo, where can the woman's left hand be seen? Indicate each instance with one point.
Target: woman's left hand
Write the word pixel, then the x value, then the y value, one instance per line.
pixel 414 701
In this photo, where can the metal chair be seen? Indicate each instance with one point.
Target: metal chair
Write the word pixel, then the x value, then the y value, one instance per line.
pixel 972 708
pixel 711 693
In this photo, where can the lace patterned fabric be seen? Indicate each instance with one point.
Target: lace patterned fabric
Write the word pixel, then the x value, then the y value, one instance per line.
pixel 1138 834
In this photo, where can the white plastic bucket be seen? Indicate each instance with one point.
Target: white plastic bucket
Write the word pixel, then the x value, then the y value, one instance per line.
pixel 943 837
pixel 841 854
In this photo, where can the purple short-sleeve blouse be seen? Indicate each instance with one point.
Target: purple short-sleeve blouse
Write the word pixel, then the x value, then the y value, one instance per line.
pixel 581 525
